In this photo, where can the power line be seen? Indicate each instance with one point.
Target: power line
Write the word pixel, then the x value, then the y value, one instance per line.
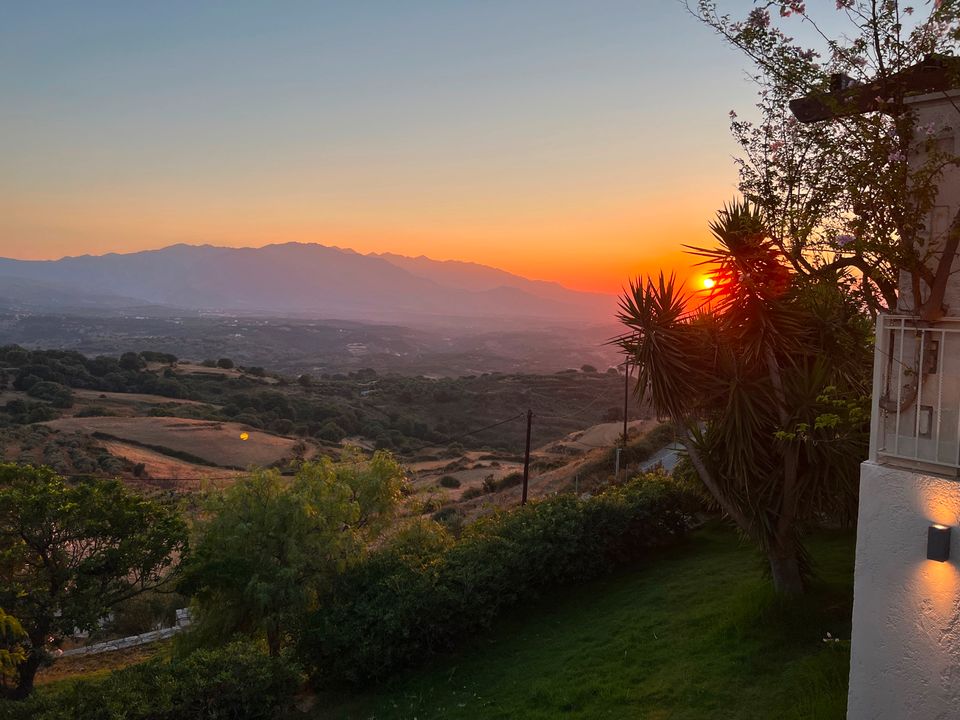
pixel 487 427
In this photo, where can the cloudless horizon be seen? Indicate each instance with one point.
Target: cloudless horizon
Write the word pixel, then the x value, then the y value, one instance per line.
pixel 577 142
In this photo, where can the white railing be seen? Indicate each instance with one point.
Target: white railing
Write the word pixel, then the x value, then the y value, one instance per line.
pixel 916 394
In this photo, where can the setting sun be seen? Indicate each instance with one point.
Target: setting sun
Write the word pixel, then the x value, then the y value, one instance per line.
pixel 709 283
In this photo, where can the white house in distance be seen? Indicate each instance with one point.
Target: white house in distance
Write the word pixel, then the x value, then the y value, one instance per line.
pixel 905 657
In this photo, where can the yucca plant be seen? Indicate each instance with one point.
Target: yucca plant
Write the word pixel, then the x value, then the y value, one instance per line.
pixel 766 383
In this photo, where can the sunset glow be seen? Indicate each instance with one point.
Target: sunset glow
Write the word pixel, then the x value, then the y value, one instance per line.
pixel 542 139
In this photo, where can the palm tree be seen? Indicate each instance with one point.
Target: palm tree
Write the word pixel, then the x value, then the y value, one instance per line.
pixel 766 383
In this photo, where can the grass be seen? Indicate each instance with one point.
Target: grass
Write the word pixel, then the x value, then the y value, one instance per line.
pixel 81 668
pixel 694 634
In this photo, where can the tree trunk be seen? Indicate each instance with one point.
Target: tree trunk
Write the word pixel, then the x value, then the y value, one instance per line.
pixel 273 639
pixel 26 672
pixel 785 571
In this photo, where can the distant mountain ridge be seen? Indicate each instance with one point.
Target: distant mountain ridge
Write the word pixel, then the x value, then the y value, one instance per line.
pixel 294 278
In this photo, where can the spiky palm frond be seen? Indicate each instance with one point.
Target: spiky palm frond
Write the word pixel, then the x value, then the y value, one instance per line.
pixel 753 281
pixel 746 376
pixel 670 351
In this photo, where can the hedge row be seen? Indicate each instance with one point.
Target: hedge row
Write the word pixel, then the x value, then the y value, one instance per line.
pixel 414 598
pixel 235 682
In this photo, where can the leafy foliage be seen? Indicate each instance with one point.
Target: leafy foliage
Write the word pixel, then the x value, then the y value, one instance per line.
pixel 403 414
pixel 237 681
pixel 12 639
pixel 424 592
pixel 840 196
pixel 69 553
pixel 767 384
pixel 270 544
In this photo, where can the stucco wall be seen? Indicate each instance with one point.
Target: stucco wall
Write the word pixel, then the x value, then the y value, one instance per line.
pixel 937 113
pixel 905 662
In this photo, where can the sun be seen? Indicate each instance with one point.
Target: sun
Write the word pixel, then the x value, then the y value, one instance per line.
pixel 709 283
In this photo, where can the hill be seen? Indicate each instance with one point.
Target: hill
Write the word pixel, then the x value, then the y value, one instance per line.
pixel 151 418
pixel 306 280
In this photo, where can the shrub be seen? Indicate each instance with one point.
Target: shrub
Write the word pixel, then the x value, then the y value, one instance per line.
pixel 471 492
pixel 397 607
pixel 508 481
pixel 238 682
pixel 94 411
pixel 331 432
pixel 131 361
pixel 225 363
pixel 54 393
pixel 449 481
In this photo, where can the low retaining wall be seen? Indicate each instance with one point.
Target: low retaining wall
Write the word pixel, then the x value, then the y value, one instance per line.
pixel 183 622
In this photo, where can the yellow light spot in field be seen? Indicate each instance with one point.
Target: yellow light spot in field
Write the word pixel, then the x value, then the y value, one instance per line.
pixel 244 436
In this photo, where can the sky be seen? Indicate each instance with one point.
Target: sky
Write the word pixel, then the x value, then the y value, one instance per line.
pixel 576 141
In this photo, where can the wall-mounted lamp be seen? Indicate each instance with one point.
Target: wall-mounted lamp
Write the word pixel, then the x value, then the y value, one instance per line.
pixel 938 543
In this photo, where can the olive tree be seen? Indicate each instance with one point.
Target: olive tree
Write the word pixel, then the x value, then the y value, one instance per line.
pixel 71 552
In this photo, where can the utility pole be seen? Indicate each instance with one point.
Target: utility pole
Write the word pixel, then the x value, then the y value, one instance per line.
pixel 526 459
pixel 626 396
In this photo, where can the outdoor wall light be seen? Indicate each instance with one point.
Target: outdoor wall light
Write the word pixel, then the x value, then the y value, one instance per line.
pixel 938 543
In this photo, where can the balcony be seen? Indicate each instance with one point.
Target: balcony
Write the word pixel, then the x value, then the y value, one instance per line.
pixel 916 395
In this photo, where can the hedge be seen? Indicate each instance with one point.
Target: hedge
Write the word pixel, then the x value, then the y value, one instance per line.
pixel 235 682
pixel 405 601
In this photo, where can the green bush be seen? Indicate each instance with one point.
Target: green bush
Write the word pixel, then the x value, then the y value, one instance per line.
pixel 449 481
pixel 472 492
pixel 56 394
pixel 236 682
pixel 397 607
pixel 508 481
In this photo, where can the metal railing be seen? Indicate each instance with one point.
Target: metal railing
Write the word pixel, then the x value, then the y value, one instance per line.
pixel 916 394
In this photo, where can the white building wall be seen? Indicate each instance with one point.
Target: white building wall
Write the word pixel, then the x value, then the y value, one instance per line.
pixel 905 662
pixel 937 113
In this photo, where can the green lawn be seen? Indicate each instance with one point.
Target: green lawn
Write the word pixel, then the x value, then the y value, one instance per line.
pixel 694 633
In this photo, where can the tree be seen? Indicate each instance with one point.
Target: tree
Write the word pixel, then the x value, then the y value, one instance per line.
pixel 767 386
pixel 270 543
pixel 840 196
pixel 131 361
pixel 225 363
pixel 60 396
pixel 70 553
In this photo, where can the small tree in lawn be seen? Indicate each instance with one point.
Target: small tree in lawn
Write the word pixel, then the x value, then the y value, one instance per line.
pixel 70 553
pixel 767 386
pixel 269 543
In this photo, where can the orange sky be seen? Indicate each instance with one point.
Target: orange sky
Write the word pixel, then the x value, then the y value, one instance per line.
pixel 550 139
pixel 583 248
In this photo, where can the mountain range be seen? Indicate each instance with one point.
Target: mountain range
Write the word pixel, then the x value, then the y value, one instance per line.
pixel 297 279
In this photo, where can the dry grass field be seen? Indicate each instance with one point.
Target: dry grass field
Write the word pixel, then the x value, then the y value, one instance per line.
pixel 184 476
pixel 121 404
pixel 218 443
